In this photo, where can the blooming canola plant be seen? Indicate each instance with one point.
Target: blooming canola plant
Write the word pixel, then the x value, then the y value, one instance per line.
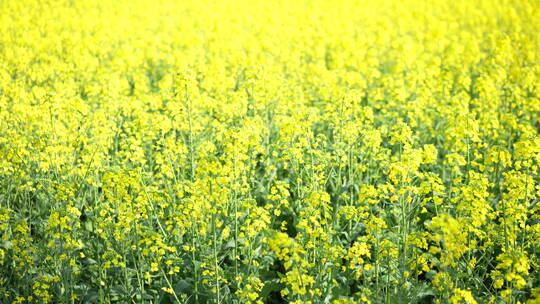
pixel 300 151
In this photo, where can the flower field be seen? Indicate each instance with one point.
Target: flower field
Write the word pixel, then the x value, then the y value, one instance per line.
pixel 300 151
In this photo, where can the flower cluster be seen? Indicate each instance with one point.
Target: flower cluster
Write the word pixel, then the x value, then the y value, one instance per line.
pixel 302 151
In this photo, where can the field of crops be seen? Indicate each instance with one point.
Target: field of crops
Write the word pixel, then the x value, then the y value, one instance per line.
pixel 287 151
